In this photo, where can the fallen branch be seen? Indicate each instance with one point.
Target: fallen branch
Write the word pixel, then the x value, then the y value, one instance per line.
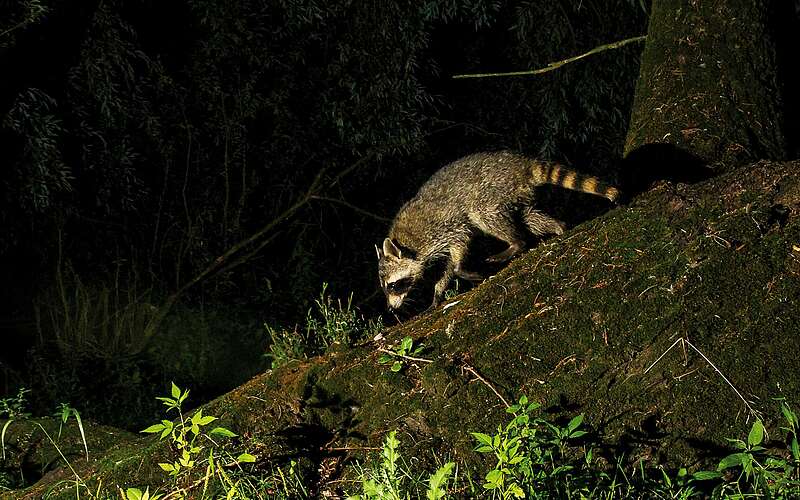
pixel 486 383
pixel 223 262
pixel 351 207
pixel 397 355
pixel 558 64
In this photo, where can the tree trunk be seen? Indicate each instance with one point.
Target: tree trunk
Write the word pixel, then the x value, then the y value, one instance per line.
pixel 711 90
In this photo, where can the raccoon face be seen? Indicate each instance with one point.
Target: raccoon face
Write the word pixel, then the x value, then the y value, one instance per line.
pixel 397 273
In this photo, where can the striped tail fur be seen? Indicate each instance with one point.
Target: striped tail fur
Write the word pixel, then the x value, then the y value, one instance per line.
pixel 559 175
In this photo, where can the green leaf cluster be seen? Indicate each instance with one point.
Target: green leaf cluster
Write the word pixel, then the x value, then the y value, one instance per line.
pixel 184 432
pixel 137 494
pixel 387 481
pixel 752 470
pixel 535 458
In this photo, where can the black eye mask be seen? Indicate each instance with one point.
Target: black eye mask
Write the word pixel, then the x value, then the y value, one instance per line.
pixel 399 286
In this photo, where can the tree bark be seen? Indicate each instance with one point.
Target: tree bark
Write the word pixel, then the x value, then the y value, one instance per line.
pixel 711 88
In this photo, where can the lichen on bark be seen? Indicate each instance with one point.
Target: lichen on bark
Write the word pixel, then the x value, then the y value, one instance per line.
pixel 711 85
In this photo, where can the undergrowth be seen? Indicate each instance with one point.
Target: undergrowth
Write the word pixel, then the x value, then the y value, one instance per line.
pixel 91 347
pixel 329 324
pixel 535 458
pixel 528 456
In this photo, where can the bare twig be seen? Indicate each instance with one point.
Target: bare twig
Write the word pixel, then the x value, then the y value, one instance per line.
pixel 684 341
pixel 351 207
pixel 223 262
pixel 350 448
pixel 750 408
pixel 485 382
pixel 680 340
pixel 410 358
pixel 249 255
pixel 647 290
pixel 558 64
pixel 349 169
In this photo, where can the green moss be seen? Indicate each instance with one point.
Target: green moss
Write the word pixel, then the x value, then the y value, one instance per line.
pixel 574 324
pixel 720 57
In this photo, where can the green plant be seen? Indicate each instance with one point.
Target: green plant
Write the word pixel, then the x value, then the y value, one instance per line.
pixel 561 435
pixel 452 292
pixel 438 481
pixel 387 483
pixel 791 437
pixel 285 346
pixel 12 409
pixel 753 471
pixel 137 494
pixel 33 11
pixel 78 481
pixel 531 453
pixel 184 433
pixel 105 319
pixel 330 322
pixel 64 412
pixel 333 322
pixel 88 343
pixel 396 356
pixel 749 454
pixel 536 458
pixel 666 486
pixel 276 483
pixel 289 483
pixel 387 480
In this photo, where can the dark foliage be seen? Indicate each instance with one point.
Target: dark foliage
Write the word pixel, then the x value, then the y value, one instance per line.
pixel 140 140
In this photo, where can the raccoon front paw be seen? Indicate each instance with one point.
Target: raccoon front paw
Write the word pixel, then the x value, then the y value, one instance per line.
pixel 501 257
pixel 467 275
pixel 505 255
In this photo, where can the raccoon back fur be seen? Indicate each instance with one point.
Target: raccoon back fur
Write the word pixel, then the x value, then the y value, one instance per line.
pixel 483 192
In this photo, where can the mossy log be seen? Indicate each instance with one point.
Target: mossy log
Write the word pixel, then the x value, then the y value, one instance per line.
pixel 34 448
pixel 712 87
pixel 574 324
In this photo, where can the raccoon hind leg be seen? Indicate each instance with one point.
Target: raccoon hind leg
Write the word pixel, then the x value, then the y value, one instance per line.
pixel 458 254
pixel 540 224
pixel 498 224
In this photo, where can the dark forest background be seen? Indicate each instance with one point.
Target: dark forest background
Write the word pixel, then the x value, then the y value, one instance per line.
pixel 141 140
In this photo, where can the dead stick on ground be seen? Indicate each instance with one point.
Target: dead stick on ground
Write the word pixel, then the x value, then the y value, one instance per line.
pixel 486 383
pixel 410 358
pixel 558 64
pixel 350 448
pixel 684 341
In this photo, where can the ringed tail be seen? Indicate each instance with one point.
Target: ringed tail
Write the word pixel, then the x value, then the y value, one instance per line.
pixel 559 175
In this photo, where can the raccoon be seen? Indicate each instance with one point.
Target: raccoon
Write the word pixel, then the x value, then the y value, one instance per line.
pixel 483 192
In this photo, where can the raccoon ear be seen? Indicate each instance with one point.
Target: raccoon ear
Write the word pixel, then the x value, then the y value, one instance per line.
pixel 379 252
pixel 389 248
